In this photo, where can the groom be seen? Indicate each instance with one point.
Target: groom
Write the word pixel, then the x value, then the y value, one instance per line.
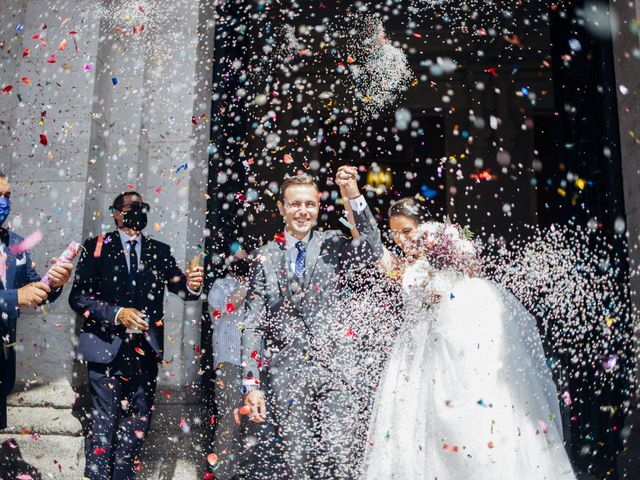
pixel 290 307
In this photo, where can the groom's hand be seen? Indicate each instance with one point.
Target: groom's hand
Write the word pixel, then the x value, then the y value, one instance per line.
pixel 347 180
pixel 256 402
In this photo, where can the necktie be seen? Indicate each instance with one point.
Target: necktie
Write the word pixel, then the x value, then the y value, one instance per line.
pixel 301 258
pixel 133 268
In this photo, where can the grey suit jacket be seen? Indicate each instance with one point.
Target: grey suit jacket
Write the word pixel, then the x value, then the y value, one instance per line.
pixel 281 311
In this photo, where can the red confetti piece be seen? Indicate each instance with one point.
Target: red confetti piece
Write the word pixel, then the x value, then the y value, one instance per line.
pixel 167 395
pixel 7 89
pixel 490 444
pixel 25 52
pixel 230 308
pixel 212 420
pixel 451 448
pixel 98 250
pixel 492 71
pixel 484 175
pixel 44 140
pixel 350 333
pixel 280 238
pixel 159 323
pixel 138 29
pixel 246 410
pixel 417 35
pixel 26 80
pixel 131 187
pixel 212 458
pixel 139 351
pixel 99 450
pixel 216 313
pixel 63 45
pixel 182 422
pixel 52 59
pixel 208 476
pixel 350 60
pixel 139 434
pixel 287 158
pixel 36 36
pixel 194 120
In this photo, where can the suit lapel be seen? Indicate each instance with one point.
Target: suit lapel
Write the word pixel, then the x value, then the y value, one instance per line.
pixel 281 268
pixel 117 253
pixel 313 252
pixel 11 270
pixel 144 267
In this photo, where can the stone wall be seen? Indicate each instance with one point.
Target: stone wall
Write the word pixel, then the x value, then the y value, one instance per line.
pixel 119 112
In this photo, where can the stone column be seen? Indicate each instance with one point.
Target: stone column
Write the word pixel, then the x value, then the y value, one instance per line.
pixel 626 50
pixel 45 150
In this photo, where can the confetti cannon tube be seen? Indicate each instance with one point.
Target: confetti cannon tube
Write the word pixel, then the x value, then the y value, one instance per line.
pixel 67 256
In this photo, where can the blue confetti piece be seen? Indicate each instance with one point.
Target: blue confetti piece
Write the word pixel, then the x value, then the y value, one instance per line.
pixel 525 91
pixel 20 27
pixel 575 45
pixel 114 80
pixel 427 192
pixel 451 296
pixel 184 166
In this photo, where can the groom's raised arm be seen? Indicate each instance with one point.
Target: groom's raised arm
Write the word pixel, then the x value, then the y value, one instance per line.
pixel 369 247
pixel 252 333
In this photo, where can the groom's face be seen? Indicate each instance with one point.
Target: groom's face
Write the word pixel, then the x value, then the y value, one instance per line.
pixel 300 209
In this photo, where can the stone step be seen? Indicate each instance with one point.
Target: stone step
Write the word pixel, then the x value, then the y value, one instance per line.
pixel 55 456
pixel 42 420
pixel 57 395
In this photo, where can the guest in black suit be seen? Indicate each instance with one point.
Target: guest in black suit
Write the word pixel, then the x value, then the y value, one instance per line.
pixel 20 287
pixel 119 289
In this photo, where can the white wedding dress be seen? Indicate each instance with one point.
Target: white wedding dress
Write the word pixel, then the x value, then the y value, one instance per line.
pixel 466 393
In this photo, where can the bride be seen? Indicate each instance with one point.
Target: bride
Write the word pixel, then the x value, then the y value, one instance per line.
pixel 466 393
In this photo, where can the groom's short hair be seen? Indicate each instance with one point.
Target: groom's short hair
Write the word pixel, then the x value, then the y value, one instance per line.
pixel 296 180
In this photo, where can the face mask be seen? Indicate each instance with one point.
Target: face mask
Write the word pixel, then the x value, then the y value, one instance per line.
pixel 135 219
pixel 5 208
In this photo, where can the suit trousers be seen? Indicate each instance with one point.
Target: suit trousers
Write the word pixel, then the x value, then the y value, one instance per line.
pixel 314 418
pixel 122 395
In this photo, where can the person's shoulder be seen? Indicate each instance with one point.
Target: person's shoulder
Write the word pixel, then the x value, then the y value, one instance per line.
pixel 105 238
pixel 330 235
pixel 14 237
pixel 157 244
pixel 266 249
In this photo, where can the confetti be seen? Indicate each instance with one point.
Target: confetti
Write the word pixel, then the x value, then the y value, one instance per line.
pixel 28 243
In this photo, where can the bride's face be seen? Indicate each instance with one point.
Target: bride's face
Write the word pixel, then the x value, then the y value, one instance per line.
pixel 404 231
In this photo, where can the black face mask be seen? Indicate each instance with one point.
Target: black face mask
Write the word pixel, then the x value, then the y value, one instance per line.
pixel 135 219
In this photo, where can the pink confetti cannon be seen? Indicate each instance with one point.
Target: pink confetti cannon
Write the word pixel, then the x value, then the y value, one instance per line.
pixel 67 256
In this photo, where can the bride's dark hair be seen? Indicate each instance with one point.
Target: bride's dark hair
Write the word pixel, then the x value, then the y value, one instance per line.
pixel 411 208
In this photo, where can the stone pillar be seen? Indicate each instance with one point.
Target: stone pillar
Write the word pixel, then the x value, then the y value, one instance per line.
pixel 151 135
pixel 626 50
pixel 53 87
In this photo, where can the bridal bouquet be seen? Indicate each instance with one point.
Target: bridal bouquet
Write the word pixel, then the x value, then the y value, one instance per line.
pixel 445 247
